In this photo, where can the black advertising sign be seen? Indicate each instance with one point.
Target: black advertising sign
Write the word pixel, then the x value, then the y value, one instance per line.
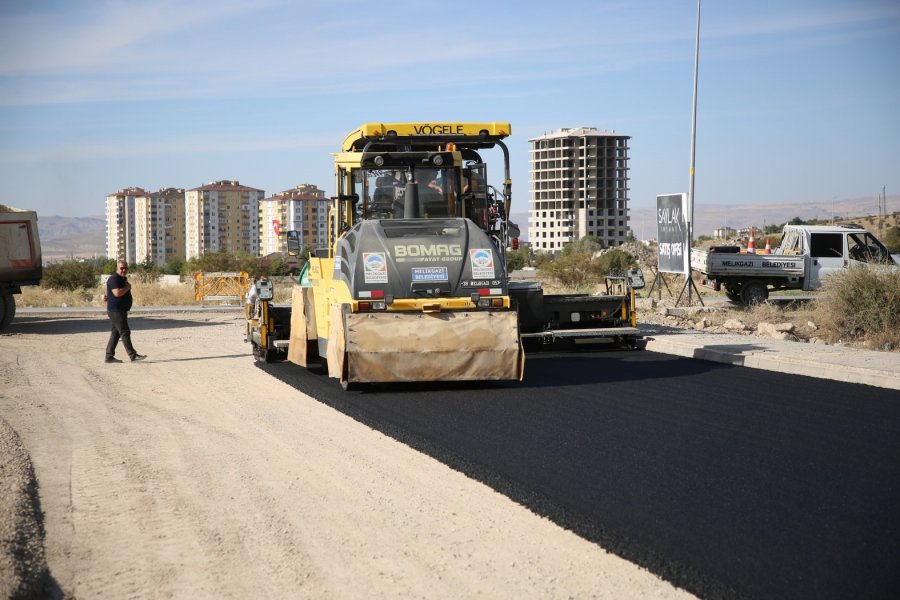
pixel 671 232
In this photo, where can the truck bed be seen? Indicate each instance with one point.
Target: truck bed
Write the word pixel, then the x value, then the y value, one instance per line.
pixel 725 264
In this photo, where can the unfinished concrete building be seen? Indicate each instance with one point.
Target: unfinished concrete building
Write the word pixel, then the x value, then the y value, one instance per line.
pixel 579 187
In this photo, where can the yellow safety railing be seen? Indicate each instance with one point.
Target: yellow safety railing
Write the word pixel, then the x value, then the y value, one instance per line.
pixel 220 286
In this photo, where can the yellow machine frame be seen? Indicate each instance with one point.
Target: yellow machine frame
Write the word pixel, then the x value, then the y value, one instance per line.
pixel 417 339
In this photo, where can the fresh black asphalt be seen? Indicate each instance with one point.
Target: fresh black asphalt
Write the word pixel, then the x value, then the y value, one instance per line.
pixel 729 482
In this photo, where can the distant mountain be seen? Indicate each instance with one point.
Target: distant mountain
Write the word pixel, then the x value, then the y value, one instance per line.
pixel 72 237
pixel 709 217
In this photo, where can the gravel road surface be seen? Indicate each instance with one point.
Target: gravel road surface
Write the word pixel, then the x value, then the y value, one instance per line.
pixel 194 474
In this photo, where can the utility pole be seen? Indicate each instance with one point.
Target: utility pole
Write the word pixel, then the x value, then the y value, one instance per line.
pixel 688 282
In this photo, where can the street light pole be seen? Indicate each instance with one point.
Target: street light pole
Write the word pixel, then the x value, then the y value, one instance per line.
pixel 690 208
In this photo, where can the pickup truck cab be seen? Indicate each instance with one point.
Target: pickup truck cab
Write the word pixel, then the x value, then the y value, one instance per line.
pixel 806 255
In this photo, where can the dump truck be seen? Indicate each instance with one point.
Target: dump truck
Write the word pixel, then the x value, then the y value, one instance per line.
pixel 20 257
pixel 805 256
pixel 412 284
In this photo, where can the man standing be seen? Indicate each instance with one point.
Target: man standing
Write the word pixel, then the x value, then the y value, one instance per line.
pixel 118 303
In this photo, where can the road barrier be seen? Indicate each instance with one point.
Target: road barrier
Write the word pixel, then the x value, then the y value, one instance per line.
pixel 220 287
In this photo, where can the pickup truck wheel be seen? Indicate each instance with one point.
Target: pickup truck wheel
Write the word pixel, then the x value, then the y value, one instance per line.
pixel 754 293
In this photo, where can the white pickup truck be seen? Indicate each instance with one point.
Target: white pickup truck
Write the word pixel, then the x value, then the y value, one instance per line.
pixel 805 256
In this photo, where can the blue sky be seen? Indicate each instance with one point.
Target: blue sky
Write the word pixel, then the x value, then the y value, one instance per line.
pixel 799 100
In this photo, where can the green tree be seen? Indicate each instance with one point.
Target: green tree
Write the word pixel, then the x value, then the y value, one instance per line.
pixel 223 261
pixel 106 267
pixel 796 221
pixel 173 266
pixel 279 267
pixel 70 275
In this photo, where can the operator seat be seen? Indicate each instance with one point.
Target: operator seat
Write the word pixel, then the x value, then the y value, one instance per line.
pixel 384 195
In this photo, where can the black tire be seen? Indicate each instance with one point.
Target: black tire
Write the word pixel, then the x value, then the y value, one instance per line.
pixel 262 355
pixel 753 293
pixel 7 310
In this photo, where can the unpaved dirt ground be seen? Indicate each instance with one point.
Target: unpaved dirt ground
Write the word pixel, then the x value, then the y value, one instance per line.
pixel 194 474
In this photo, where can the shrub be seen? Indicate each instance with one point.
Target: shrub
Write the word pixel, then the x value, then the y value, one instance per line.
pixel 516 259
pixel 576 270
pixel 892 239
pixel 861 304
pixel 146 272
pixel 70 275
pixel 586 245
pixel 614 262
pixel 156 294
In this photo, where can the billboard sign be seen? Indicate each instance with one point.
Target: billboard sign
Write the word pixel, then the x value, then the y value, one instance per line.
pixel 672 232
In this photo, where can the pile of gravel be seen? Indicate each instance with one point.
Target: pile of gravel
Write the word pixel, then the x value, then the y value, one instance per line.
pixel 23 566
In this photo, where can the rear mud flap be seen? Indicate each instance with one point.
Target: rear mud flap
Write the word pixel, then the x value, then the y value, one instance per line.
pixel 448 346
pixel 302 348
pixel 336 355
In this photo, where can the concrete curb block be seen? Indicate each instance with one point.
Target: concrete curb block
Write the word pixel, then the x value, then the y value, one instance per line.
pixel 777 361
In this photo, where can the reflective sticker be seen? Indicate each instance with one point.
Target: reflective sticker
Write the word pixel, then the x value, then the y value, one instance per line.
pixel 430 274
pixel 375 267
pixel 482 263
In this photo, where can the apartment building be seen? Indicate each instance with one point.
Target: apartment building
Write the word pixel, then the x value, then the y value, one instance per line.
pixel 159 226
pixel 303 208
pixel 121 224
pixel 579 187
pixel 222 215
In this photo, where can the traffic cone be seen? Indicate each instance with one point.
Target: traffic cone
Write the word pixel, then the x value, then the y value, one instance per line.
pixel 768 249
pixel 751 245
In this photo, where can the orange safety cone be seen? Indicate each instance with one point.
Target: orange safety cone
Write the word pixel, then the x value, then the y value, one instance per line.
pixel 751 245
pixel 768 249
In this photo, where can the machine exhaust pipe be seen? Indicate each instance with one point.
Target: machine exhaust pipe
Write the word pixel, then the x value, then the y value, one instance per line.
pixel 411 201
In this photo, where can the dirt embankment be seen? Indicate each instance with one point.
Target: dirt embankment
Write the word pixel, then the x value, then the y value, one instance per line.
pixel 194 474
